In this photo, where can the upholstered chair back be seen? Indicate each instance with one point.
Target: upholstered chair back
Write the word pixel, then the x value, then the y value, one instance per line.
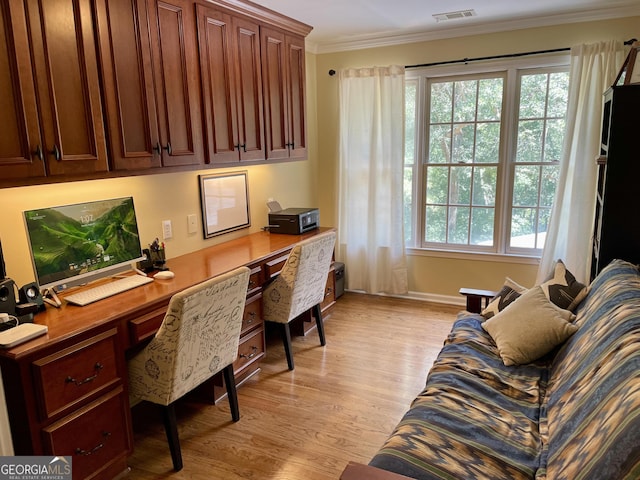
pixel 198 338
pixel 301 283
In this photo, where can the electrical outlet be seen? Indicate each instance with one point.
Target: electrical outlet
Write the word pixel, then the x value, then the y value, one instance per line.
pixel 167 231
pixel 192 223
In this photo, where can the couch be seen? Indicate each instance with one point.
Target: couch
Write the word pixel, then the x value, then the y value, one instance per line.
pixel 571 412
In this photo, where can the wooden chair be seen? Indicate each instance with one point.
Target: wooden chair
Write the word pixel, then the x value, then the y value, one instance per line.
pixel 198 338
pixel 300 287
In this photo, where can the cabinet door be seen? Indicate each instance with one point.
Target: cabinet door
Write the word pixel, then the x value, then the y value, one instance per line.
pixel 20 138
pixel 231 86
pixel 296 97
pixel 125 56
pixel 173 43
pixel 275 98
pixel 284 90
pixel 249 89
pixel 65 59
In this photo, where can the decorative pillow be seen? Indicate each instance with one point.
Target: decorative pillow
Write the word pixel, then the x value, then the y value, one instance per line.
pixel 529 328
pixel 509 292
pixel 563 289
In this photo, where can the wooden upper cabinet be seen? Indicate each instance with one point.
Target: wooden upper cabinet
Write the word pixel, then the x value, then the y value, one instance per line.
pixel 283 75
pixel 66 71
pixel 172 28
pixel 231 86
pixel 20 139
pixel 125 54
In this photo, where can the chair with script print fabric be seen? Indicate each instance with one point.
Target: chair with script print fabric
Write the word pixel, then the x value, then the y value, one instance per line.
pixel 300 287
pixel 198 338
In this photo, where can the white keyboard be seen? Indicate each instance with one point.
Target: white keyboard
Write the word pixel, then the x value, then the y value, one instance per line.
pixel 90 295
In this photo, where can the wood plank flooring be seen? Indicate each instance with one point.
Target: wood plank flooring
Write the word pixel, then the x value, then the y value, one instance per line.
pixel 339 404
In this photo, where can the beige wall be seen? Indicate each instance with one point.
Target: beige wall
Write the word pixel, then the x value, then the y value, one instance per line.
pixel 306 183
pixel 428 275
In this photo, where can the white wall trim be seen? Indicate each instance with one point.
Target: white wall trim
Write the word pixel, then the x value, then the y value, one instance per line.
pixel 425 297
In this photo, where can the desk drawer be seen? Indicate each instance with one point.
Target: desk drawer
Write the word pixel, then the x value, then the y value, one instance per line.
pixel 252 317
pixel 250 350
pixel 71 375
pixel 255 279
pixel 96 435
pixel 273 265
pixel 146 326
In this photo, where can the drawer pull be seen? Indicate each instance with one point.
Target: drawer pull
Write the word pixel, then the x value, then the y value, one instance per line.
pixel 98 366
pixel 252 317
pixel 80 451
pixel 329 292
pixel 254 351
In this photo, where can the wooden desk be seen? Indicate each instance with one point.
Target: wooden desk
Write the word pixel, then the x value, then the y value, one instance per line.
pixel 67 391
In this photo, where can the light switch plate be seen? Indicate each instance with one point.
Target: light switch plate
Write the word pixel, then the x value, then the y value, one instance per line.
pixel 192 223
pixel 167 231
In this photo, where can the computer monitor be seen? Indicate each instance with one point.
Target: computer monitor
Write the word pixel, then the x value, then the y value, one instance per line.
pixel 74 244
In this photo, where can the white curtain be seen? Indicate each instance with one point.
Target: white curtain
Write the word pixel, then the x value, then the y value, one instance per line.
pixel 593 69
pixel 370 194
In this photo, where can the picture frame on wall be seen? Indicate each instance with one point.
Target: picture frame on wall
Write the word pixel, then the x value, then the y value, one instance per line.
pixel 630 72
pixel 224 202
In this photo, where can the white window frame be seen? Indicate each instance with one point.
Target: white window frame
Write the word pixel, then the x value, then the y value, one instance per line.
pixel 511 68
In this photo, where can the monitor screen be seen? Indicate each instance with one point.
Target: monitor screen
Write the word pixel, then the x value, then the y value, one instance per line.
pixel 74 244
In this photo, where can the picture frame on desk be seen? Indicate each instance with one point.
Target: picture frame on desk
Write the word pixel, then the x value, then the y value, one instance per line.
pixel 224 202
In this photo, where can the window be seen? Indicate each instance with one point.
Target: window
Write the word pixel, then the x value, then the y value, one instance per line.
pixel 482 153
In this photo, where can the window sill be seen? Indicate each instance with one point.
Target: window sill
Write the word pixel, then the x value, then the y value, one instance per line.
pixel 474 256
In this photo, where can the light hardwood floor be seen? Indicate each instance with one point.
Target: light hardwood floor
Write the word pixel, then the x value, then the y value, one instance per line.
pixel 339 404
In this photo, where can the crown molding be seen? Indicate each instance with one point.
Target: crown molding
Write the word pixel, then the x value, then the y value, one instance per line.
pixel 381 40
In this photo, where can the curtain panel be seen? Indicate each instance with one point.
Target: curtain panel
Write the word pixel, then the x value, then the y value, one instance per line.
pixel 370 199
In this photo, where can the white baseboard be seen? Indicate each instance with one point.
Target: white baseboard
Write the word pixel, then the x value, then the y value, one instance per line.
pixel 427 297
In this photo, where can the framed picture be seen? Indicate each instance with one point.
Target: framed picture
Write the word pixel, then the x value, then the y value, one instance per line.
pixel 225 202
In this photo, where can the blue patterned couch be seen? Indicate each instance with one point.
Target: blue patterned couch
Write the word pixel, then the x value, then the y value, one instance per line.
pixel 574 414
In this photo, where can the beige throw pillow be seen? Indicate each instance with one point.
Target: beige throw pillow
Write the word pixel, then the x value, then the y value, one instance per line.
pixel 529 328
pixel 509 292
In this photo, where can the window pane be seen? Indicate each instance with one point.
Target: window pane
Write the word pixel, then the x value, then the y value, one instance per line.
pixel 410 122
pixel 525 185
pixel 482 226
pixel 441 103
pixel 458 225
pixel 533 95
pixel 463 140
pixel 435 224
pixel 484 186
pixel 440 144
pixel 464 108
pixel 437 185
pixel 558 88
pixel 488 143
pixel 530 141
pixel 490 99
pixel 553 140
pixel 460 186
pixel 523 228
pixel 408 203
pixel 543 224
pixel 548 184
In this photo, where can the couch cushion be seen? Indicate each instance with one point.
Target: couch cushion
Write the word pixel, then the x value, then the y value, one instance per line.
pixel 562 288
pixel 509 292
pixel 594 391
pixel 529 328
pixel 475 418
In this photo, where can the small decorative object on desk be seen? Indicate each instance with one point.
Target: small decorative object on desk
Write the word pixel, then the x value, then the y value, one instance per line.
pixel 156 252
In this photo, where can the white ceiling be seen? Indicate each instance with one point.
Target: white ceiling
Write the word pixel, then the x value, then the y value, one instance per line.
pixel 351 24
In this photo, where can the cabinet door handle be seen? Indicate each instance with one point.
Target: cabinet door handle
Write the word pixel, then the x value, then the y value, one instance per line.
pixel 290 145
pixel 56 152
pixel 157 148
pixel 91 451
pixel 97 367
pixel 39 153
pixel 254 351
pixel 167 148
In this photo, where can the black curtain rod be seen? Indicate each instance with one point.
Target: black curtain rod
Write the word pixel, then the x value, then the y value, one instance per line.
pixel 493 57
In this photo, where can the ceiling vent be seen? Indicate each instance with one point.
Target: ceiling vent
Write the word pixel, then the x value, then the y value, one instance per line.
pixel 443 17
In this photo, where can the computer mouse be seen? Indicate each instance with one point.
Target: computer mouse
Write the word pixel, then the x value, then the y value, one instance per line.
pixel 164 275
